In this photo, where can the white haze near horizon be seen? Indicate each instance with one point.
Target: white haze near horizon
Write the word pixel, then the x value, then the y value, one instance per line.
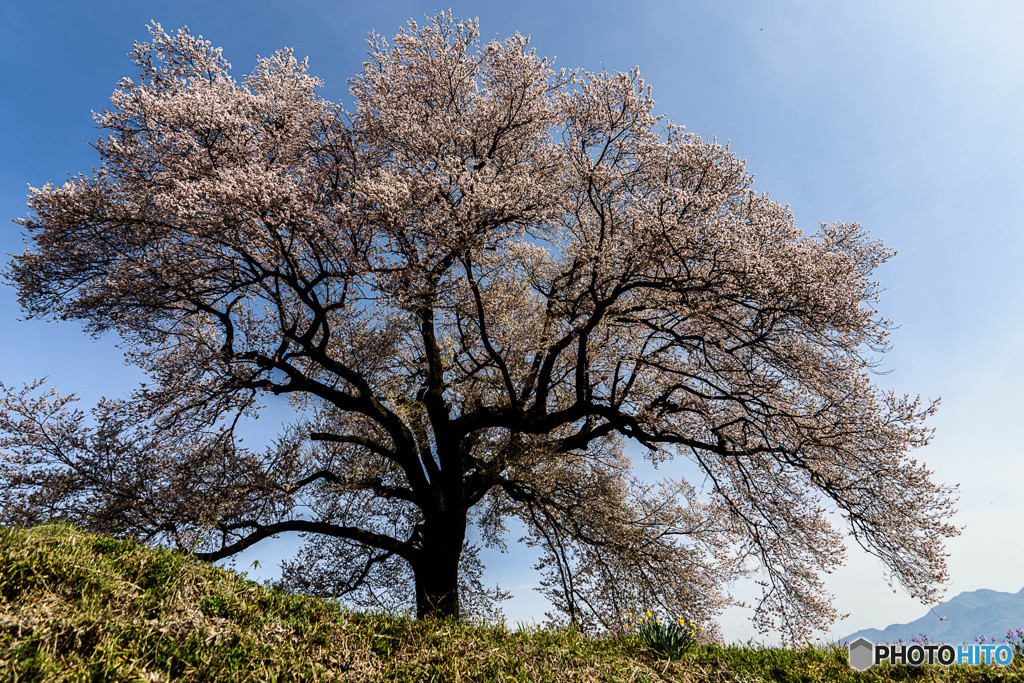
pixel 904 117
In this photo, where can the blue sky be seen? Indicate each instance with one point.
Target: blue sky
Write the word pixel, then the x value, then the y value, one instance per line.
pixel 905 117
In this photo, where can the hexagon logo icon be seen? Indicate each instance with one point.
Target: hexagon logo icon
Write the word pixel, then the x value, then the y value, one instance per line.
pixel 862 654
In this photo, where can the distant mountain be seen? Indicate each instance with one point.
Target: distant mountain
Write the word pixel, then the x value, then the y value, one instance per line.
pixel 972 613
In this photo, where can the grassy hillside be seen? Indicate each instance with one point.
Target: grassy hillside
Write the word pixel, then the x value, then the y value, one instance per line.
pixel 80 607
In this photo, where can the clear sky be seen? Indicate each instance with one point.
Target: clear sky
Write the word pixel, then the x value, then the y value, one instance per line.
pixel 903 116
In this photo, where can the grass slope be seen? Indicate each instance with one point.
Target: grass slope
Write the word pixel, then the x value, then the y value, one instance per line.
pixel 80 607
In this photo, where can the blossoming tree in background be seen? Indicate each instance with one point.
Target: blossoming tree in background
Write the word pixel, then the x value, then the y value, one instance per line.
pixel 476 287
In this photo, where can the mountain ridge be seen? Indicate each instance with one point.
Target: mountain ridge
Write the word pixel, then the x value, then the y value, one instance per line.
pixel 961 619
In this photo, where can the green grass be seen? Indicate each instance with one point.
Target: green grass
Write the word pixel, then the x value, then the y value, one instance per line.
pixel 80 607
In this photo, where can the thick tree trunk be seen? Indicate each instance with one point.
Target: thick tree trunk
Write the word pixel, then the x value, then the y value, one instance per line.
pixel 437 573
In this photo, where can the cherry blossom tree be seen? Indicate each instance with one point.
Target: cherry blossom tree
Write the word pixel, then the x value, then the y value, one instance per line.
pixel 477 286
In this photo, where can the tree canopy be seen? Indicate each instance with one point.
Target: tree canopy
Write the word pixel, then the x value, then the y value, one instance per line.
pixel 478 285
